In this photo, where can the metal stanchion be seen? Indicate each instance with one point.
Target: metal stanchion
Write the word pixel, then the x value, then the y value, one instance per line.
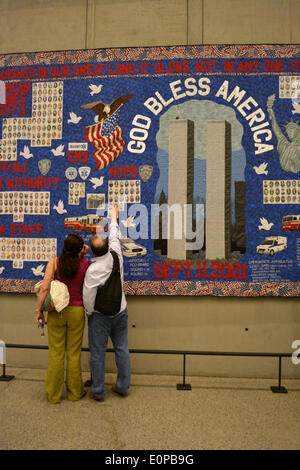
pixel 4 377
pixel 279 388
pixel 183 386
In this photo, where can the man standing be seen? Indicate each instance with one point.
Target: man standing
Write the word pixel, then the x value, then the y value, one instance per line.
pixel 102 326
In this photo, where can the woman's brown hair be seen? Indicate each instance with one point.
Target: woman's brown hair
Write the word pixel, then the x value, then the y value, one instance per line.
pixel 68 262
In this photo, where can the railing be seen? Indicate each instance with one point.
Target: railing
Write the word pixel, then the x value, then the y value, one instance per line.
pixel 182 386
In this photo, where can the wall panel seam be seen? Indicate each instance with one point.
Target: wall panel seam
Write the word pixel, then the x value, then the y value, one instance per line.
pixel 202 33
pixel 86 23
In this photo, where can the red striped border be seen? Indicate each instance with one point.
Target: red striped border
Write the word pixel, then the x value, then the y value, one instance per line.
pixel 182 288
pixel 149 53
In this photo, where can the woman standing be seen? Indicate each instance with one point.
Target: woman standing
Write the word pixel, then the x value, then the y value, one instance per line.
pixel 65 329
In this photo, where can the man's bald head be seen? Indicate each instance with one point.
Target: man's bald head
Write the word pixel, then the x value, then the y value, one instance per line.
pixel 99 245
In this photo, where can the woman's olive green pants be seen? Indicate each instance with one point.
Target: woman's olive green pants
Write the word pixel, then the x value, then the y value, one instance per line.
pixel 65 333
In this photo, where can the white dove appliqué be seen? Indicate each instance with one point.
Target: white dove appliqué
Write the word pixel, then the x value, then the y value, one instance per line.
pixel 261 169
pixel 265 225
pixel 38 271
pixel 26 152
pixel 60 207
pixel 58 151
pixel 129 222
pixel 95 89
pixel 74 119
pixel 96 182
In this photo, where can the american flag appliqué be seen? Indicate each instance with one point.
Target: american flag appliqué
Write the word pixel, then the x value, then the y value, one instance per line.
pixel 106 137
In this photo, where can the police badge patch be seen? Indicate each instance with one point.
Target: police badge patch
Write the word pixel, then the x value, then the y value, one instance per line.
pixel 71 173
pixel 145 172
pixel 44 165
pixel 84 172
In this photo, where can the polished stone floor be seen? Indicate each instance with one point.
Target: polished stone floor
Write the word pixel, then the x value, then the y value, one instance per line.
pixel 218 413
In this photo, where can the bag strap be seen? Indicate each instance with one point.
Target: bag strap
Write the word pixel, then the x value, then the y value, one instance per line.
pixel 116 265
pixel 54 269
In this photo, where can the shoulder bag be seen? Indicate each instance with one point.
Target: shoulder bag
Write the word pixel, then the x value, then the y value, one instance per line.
pixel 58 296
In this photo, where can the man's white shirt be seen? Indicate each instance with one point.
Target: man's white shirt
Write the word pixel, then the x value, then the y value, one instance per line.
pixel 100 270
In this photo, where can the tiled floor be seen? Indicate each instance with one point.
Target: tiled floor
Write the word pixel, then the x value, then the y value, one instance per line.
pixel 218 413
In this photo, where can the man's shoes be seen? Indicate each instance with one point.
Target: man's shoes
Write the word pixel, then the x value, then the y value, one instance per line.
pixel 96 398
pixel 115 390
